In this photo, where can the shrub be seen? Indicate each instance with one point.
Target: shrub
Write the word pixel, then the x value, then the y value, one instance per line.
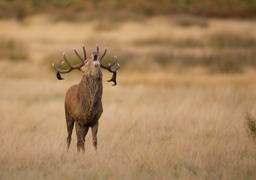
pixel 250 125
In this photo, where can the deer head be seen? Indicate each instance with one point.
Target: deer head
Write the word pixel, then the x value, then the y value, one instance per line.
pixel 92 64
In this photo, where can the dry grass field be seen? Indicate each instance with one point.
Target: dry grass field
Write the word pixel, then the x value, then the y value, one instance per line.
pixel 176 113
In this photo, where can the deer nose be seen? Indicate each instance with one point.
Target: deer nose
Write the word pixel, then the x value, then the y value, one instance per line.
pixel 96 63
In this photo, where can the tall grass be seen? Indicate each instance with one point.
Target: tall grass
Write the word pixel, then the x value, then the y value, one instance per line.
pixel 186 132
pixel 229 52
pixel 232 40
pixel 13 50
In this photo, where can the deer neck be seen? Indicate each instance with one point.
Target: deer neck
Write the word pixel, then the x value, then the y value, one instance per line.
pixel 90 91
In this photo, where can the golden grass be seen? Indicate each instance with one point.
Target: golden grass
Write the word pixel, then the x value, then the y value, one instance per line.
pixel 184 124
pixel 250 124
pixel 145 132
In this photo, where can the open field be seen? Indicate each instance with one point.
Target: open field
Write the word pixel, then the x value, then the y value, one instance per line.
pixel 178 110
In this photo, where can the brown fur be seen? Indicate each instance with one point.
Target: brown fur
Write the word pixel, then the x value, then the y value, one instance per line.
pixel 83 105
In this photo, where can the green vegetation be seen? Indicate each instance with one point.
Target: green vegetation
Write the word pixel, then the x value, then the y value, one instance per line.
pixel 227 8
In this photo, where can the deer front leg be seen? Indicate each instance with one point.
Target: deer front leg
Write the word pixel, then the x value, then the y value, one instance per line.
pixel 94 134
pixel 70 125
pixel 81 132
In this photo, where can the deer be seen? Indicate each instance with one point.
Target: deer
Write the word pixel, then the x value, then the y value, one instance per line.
pixel 83 101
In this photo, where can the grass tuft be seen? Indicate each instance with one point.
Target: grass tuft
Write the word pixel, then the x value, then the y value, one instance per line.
pixel 233 40
pixel 250 125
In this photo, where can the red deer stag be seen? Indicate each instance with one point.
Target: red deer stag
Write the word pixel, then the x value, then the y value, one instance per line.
pixel 83 106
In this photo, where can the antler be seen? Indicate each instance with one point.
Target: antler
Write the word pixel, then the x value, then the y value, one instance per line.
pixel 113 67
pixel 71 67
pixel 98 51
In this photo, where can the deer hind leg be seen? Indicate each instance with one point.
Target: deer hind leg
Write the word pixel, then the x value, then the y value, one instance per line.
pixel 70 125
pixel 81 132
pixel 94 134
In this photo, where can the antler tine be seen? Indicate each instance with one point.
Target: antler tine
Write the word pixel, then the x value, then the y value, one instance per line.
pixel 102 56
pixel 85 56
pixel 115 61
pixel 64 56
pixel 59 70
pixel 97 49
pixel 118 65
pixel 74 66
pixel 113 70
pixel 81 59
pixel 58 67
pixel 71 67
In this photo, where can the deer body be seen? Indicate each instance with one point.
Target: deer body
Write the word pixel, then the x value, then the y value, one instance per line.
pixel 83 106
pixel 83 102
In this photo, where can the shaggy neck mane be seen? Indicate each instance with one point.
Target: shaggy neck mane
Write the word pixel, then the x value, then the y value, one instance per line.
pixel 90 91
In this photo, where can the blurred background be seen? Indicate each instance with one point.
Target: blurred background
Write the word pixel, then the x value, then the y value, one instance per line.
pixel 186 36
